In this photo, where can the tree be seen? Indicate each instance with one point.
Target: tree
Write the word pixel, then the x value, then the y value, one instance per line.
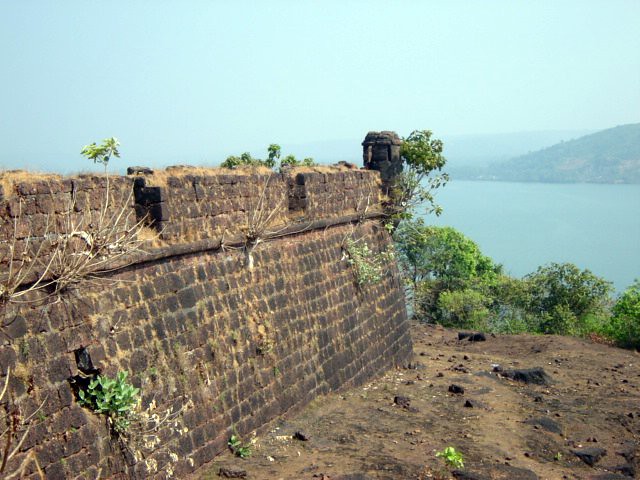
pixel 422 155
pixel 563 297
pixel 443 254
pixel 439 259
pixel 273 151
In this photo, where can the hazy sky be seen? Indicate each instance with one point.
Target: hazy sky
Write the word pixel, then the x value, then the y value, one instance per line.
pixel 192 81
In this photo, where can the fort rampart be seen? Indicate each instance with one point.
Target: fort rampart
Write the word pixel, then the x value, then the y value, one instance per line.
pixel 238 306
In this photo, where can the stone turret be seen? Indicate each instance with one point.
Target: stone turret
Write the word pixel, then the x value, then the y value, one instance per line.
pixel 381 151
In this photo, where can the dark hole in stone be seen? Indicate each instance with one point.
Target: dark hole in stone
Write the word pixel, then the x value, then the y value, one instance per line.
pixel 88 371
pixel 84 363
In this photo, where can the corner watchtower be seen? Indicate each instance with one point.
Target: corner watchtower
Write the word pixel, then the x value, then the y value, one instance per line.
pixel 381 151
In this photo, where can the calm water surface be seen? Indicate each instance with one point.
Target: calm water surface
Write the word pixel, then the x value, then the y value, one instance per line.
pixel 524 225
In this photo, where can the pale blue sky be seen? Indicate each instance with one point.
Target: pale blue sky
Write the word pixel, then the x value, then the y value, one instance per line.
pixel 193 81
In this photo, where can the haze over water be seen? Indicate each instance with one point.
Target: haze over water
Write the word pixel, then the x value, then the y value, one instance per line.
pixel 525 225
pixel 192 82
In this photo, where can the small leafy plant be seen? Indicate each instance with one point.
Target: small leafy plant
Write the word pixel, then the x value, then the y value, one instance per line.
pixel 452 457
pixel 102 153
pixel 113 397
pixel 238 448
pixel 368 266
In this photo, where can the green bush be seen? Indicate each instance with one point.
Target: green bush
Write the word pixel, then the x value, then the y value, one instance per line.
pixel 245 159
pixel 368 266
pixel 273 155
pixel 463 309
pixel 443 254
pixel 292 161
pixel 564 297
pixel 450 281
pixel 238 448
pixel 560 320
pixel 624 326
pixel 113 397
pixel 452 457
pixel 510 320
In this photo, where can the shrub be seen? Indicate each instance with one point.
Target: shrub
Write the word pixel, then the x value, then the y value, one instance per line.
pixel 463 309
pixel 273 155
pixel 624 326
pixel 292 161
pixel 563 296
pixel 368 266
pixel 113 397
pixel 452 457
pixel 245 159
pixel 238 448
pixel 510 320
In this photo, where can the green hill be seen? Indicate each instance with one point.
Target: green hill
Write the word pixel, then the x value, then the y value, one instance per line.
pixel 608 156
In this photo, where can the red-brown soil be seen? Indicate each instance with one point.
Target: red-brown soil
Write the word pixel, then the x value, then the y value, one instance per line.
pixel 513 430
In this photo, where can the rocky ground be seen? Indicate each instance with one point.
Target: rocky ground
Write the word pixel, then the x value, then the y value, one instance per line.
pixel 577 418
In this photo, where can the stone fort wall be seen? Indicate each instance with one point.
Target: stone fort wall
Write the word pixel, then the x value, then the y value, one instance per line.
pixel 228 346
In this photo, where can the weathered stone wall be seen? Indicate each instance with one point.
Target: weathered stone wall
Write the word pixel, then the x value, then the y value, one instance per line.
pixel 232 347
pixel 333 194
pixel 193 206
pixel 48 205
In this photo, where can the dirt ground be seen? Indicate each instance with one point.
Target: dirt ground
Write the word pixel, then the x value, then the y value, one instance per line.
pixel 588 404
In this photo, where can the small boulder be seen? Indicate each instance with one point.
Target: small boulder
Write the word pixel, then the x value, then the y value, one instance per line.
pixel 472 336
pixel 545 423
pixel 231 473
pixel 536 376
pixel 590 455
pixel 456 389
pixel 402 401
pixel 477 337
pixel 300 435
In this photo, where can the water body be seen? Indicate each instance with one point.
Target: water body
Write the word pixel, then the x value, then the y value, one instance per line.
pixel 525 225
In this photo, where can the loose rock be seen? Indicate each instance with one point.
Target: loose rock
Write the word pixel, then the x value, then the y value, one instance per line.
pixel 590 455
pixel 545 423
pixel 230 473
pixel 456 389
pixel 402 401
pixel 528 375
pixel 472 337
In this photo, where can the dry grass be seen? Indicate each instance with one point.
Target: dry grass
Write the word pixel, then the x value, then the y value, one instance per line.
pixel 10 178
pixel 159 177
pixel 321 169
pixel 150 237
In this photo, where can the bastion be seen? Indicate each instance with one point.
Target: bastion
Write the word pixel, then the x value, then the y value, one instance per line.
pixel 230 300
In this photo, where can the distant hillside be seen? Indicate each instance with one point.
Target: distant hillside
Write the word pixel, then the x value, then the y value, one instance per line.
pixel 608 156
pixel 481 150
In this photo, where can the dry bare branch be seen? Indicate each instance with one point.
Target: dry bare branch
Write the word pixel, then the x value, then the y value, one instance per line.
pixel 77 247
pixel 13 436
pixel 259 219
